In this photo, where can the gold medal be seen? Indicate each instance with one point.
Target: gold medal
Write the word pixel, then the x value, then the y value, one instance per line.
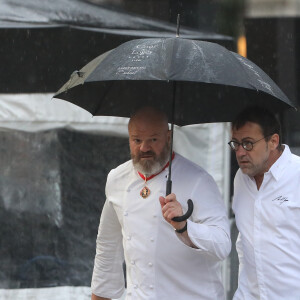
pixel 145 192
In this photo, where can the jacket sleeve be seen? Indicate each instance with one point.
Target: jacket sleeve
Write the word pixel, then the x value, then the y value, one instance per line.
pixel 209 228
pixel 108 276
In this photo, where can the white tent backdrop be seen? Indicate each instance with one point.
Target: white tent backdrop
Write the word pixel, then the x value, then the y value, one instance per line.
pixel 204 144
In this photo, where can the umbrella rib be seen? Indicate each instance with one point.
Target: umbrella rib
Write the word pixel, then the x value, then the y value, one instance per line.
pixel 109 86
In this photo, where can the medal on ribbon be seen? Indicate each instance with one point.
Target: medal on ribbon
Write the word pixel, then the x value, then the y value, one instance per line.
pixel 145 192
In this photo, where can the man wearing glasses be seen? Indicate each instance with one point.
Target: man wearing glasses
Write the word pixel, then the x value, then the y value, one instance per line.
pixel 266 204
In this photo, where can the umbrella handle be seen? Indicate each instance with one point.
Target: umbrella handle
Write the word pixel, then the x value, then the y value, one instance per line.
pixel 187 214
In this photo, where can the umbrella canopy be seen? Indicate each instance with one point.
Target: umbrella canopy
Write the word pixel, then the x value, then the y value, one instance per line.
pixel 212 83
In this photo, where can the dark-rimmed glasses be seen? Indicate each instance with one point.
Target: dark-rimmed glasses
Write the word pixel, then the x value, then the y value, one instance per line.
pixel 247 145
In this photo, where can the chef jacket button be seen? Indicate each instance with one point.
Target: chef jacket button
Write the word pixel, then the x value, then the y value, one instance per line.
pixel 150 264
pixel 128 237
pixel 135 286
pixel 132 262
pixel 125 213
pixel 152 239
pixel 151 287
pixel 154 216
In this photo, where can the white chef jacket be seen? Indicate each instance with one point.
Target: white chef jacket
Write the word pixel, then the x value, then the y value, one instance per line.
pixel 268 221
pixel 159 265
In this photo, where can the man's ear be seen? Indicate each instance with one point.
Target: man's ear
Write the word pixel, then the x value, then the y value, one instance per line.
pixel 274 141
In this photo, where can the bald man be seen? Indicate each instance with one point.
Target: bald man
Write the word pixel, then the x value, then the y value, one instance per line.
pixel 164 259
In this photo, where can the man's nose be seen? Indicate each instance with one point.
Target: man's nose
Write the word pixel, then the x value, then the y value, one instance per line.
pixel 145 146
pixel 240 151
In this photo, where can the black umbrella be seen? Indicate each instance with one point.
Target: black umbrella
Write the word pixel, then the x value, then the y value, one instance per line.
pixel 212 83
pixel 192 81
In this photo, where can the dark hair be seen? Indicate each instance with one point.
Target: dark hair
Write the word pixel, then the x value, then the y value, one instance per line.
pixel 263 117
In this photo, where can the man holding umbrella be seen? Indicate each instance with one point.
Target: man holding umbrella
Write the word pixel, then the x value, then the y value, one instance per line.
pixel 164 259
pixel 266 204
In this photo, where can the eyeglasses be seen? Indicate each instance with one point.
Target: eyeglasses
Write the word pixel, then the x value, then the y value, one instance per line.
pixel 247 145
